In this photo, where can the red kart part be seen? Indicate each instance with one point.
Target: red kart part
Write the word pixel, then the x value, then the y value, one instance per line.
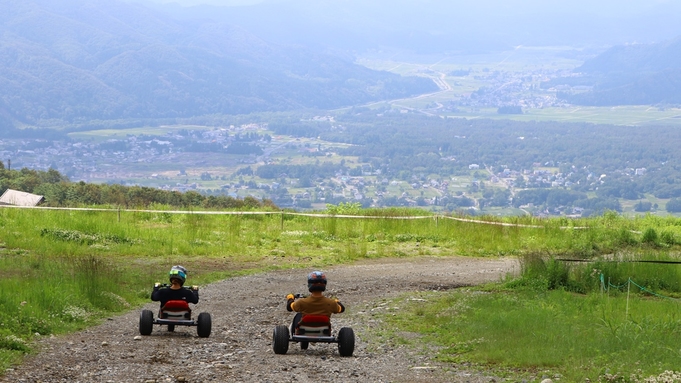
pixel 175 313
pixel 314 325
pixel 313 329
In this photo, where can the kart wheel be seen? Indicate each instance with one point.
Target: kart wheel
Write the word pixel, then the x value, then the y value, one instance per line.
pixel 171 327
pixel 304 345
pixel 203 325
pixel 346 341
pixel 146 322
pixel 280 339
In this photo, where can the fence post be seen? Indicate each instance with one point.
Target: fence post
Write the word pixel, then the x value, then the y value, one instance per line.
pixel 626 314
pixel 119 214
pixel 602 284
pixel 282 220
pixel 608 285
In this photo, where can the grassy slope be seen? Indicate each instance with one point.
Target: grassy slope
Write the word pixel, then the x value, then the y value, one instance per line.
pixel 105 261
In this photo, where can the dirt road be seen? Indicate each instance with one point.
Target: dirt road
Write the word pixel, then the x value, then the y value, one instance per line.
pixel 244 312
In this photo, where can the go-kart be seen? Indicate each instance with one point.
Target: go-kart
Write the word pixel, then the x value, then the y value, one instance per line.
pixel 175 313
pixel 312 328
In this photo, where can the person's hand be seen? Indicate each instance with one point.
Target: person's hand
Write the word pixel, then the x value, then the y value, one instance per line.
pixel 290 296
pixel 195 287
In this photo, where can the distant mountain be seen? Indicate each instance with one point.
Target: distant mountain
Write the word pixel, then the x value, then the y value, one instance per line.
pixel 636 58
pixel 78 60
pixel 633 74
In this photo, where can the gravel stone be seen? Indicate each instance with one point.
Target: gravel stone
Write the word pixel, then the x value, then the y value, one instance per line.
pixel 244 312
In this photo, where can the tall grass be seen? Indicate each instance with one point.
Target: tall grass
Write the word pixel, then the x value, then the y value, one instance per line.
pixel 654 271
pixel 530 335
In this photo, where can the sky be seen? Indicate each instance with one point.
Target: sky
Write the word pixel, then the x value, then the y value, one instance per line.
pixel 451 24
pixel 209 2
pixel 602 6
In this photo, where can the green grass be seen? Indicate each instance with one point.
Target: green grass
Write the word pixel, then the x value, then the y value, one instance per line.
pixel 65 269
pixel 615 319
pixel 528 334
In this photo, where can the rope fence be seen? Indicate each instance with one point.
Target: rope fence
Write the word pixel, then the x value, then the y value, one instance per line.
pixel 606 286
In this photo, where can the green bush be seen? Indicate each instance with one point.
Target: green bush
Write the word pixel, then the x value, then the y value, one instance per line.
pixel 649 236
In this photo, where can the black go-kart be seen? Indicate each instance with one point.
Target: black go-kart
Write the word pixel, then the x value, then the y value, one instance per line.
pixel 307 329
pixel 175 313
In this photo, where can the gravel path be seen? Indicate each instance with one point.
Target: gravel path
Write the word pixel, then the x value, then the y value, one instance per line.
pixel 244 312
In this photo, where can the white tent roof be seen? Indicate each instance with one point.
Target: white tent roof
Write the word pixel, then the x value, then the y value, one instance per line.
pixel 19 198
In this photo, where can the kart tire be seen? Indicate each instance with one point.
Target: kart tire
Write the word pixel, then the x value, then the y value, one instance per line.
pixel 346 341
pixel 171 327
pixel 146 322
pixel 304 345
pixel 280 339
pixel 203 325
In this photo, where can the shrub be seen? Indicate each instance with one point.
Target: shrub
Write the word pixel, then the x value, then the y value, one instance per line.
pixel 649 236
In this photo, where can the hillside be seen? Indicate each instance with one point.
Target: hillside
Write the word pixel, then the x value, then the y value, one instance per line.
pixel 633 74
pixel 83 60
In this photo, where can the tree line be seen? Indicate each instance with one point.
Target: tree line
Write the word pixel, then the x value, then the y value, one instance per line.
pixel 59 191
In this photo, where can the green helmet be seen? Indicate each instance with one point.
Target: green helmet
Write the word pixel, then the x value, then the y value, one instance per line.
pixel 178 272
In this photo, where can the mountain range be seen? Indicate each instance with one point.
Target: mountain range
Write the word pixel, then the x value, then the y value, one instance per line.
pixel 79 60
pixel 644 74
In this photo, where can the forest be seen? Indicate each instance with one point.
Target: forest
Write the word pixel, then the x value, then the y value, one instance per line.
pixel 564 168
pixel 614 162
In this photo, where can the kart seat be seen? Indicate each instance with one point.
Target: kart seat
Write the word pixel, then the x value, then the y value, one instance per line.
pixel 176 310
pixel 314 325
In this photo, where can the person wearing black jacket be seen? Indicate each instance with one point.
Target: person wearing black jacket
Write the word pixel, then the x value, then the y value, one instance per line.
pixel 176 290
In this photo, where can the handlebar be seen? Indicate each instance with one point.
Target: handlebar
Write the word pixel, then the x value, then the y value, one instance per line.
pixel 162 285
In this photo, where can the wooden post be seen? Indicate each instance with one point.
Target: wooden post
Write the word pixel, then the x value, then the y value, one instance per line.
pixel 626 314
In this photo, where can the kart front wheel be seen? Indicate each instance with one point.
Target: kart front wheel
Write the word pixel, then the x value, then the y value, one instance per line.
pixel 146 322
pixel 280 339
pixel 346 341
pixel 203 325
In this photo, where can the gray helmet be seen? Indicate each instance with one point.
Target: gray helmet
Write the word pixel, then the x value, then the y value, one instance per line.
pixel 316 281
pixel 178 272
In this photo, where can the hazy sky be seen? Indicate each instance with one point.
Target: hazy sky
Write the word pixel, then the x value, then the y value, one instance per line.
pixel 210 2
pixel 601 6
pixel 449 24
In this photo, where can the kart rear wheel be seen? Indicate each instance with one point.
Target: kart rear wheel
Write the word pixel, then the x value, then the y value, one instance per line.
pixel 146 322
pixel 171 327
pixel 346 341
pixel 304 345
pixel 280 339
pixel 203 325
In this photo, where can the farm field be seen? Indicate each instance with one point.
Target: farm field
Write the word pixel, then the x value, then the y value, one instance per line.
pixel 620 115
